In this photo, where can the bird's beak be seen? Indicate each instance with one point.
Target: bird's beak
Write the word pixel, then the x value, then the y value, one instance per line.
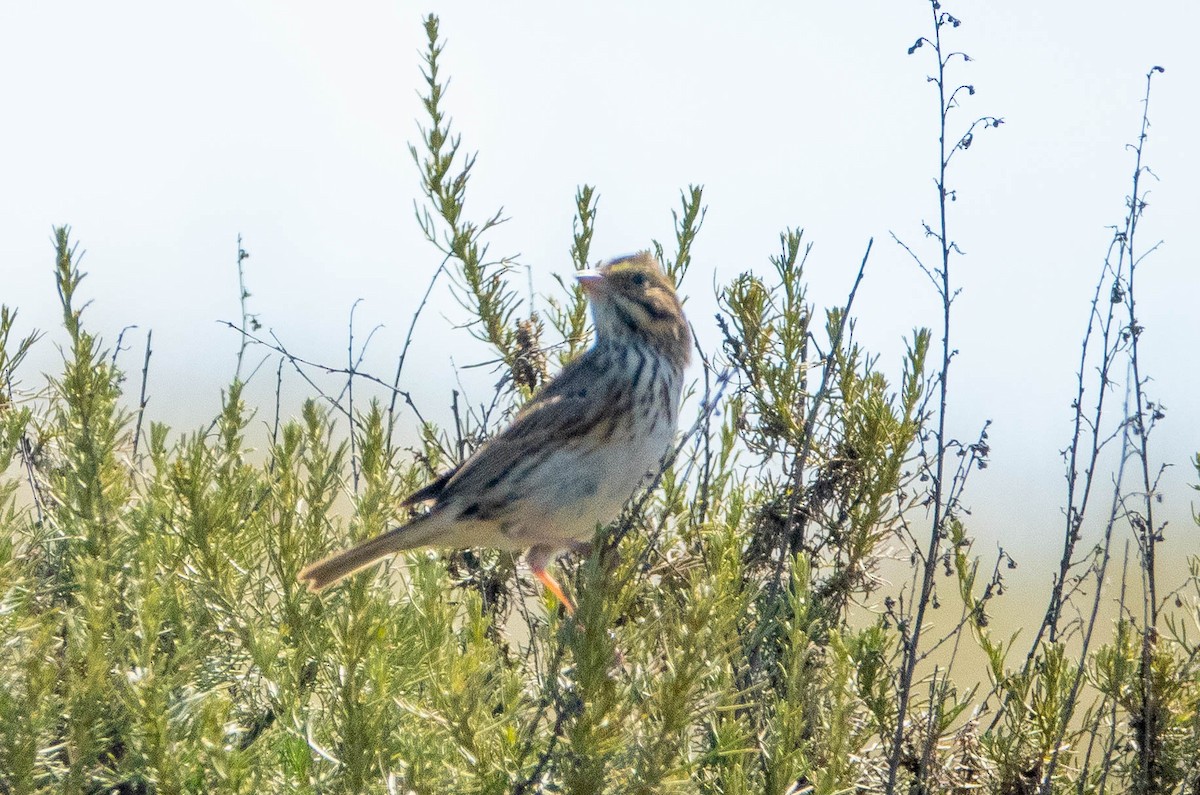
pixel 589 280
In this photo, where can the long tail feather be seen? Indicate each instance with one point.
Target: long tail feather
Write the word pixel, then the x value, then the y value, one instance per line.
pixel 326 572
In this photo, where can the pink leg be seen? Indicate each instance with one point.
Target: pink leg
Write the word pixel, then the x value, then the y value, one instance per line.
pixel 537 558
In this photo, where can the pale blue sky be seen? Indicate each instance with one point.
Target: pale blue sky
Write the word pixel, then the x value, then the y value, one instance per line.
pixel 159 133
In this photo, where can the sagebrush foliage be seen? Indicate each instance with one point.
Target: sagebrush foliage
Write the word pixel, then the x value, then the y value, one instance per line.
pixel 735 633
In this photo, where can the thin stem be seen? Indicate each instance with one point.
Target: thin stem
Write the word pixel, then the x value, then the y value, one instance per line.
pixel 911 645
pixel 247 319
pixel 142 400
pixel 408 338
pixel 1149 739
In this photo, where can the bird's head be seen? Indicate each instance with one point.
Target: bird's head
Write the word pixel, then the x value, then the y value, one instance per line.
pixel 634 301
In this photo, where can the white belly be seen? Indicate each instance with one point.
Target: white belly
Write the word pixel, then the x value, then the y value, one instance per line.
pixel 602 480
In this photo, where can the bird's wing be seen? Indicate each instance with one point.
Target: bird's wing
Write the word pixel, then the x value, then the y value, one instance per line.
pixel 568 408
pixel 430 491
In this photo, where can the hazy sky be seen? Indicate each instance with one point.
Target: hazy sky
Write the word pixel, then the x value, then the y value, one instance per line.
pixel 160 131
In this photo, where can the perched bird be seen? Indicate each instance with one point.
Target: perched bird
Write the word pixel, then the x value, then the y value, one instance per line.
pixel 575 453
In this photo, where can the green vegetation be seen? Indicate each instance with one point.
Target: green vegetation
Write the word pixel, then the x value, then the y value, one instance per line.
pixel 734 633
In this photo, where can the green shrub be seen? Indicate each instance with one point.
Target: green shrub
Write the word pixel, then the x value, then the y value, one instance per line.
pixel 734 631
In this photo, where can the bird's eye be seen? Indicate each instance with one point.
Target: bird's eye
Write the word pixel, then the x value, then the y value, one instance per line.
pixel 638 279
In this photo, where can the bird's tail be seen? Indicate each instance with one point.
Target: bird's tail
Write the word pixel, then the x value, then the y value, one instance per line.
pixel 326 572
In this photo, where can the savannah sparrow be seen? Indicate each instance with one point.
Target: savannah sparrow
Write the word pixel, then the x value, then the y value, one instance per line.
pixel 575 453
